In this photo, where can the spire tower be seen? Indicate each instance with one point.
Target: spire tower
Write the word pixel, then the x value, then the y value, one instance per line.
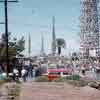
pixel 53 37
pixel 42 45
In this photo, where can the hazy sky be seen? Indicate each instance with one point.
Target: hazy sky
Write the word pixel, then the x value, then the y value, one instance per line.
pixel 35 17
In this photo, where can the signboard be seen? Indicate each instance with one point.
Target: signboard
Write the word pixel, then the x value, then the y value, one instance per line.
pixel 92 53
pixel 11 52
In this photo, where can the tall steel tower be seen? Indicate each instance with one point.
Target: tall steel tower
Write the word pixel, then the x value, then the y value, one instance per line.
pixel 53 37
pixel 42 45
pixel 89 25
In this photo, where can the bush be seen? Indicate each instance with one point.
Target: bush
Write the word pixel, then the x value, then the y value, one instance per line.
pixel 73 77
pixel 72 80
pixel 64 79
pixel 42 79
pixel 61 79
pixel 94 84
pixel 76 83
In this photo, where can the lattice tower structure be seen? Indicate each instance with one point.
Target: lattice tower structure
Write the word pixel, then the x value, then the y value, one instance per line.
pixel 89 26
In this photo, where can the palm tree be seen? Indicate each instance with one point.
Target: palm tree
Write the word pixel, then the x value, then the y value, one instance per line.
pixel 60 43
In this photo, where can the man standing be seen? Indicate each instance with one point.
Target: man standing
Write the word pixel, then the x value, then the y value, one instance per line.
pixel 15 74
pixel 24 74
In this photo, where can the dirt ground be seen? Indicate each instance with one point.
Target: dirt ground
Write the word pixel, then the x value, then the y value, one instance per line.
pixel 57 91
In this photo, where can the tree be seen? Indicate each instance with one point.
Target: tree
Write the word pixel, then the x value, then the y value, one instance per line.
pixel 20 46
pixel 60 43
pixel 15 46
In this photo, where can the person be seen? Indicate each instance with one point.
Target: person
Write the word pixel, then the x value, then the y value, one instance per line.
pixel 15 74
pixel 37 72
pixel 83 69
pixel 24 74
pixel 27 67
pixel 30 74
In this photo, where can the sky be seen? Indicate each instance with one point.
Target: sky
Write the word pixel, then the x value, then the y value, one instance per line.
pixel 34 17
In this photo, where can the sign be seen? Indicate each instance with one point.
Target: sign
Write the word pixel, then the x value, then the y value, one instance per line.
pixel 11 52
pixel 92 53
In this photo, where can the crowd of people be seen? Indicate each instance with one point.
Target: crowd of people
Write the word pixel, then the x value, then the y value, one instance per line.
pixel 23 71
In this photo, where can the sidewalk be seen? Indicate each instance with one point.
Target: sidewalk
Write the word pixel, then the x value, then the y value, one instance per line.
pixel 4 90
pixel 57 91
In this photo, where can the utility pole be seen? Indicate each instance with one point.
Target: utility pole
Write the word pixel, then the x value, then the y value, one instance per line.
pixel 29 45
pixel 6 30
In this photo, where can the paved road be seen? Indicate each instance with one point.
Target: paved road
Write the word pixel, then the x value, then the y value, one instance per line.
pixel 57 91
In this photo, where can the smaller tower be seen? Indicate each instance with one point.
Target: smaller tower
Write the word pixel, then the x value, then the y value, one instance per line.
pixel 53 37
pixel 42 45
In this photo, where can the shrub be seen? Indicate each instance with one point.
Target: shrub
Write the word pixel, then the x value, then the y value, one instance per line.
pixel 76 83
pixel 64 79
pixel 42 79
pixel 94 84
pixel 73 77
pixel 61 79
pixel 72 80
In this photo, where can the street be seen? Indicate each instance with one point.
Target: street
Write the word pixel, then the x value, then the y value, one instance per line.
pixel 57 91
